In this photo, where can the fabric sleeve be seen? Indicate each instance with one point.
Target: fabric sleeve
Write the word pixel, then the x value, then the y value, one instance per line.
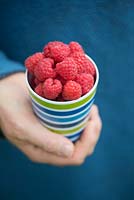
pixel 8 67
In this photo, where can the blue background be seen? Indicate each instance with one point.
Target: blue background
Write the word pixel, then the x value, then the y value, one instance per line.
pixel 106 31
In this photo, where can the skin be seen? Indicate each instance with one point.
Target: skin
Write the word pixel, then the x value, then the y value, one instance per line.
pixel 21 127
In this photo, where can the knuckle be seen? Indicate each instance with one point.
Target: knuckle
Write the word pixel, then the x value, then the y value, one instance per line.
pixel 18 129
pixel 50 145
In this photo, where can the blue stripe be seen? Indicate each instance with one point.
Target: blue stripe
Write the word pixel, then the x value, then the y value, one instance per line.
pixel 77 134
pixel 75 139
pixel 63 126
pixel 61 117
pixel 60 120
pixel 65 113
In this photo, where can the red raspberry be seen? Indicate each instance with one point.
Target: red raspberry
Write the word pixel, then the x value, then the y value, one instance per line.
pixel 46 51
pixel 67 69
pixel 75 47
pixel 84 65
pixel 36 81
pixel 86 81
pixel 71 91
pixel 32 61
pixel 52 88
pixel 56 50
pixel 50 60
pixel 44 70
pixel 48 46
pixel 39 90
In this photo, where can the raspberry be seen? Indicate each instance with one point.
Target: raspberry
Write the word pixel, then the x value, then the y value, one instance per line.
pixel 39 90
pixel 48 46
pixel 52 88
pixel 46 51
pixel 67 69
pixel 36 81
pixel 50 60
pixel 84 65
pixel 75 47
pixel 32 61
pixel 44 70
pixel 56 50
pixel 86 81
pixel 71 91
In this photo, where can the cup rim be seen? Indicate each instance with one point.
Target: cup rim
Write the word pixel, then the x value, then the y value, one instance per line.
pixel 66 102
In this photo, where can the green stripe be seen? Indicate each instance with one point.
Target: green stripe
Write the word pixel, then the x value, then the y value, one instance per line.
pixel 71 131
pixel 63 106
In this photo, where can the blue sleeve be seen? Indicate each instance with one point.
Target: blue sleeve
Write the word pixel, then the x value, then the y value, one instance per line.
pixel 8 66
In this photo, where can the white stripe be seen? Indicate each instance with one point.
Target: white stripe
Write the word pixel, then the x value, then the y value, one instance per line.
pixel 74 138
pixel 71 134
pixel 60 117
pixel 53 122
pixel 64 129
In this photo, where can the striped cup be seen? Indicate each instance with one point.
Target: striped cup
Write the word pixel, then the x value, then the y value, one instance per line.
pixel 68 118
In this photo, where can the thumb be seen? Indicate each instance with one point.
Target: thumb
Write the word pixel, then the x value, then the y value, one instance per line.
pixel 51 142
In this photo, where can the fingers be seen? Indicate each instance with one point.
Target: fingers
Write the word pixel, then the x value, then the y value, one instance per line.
pixel 95 124
pixel 25 127
pixel 83 147
pixel 37 155
pixel 36 134
pixel 86 144
pixel 45 147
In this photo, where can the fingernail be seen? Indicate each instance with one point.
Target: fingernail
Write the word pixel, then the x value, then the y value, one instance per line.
pixel 67 150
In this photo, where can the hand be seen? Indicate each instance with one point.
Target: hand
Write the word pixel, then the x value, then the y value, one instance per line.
pixel 21 127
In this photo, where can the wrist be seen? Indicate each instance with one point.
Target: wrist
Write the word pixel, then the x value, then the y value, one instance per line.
pixel 14 79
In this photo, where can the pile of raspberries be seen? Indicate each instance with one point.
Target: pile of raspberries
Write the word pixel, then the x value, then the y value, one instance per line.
pixel 61 72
